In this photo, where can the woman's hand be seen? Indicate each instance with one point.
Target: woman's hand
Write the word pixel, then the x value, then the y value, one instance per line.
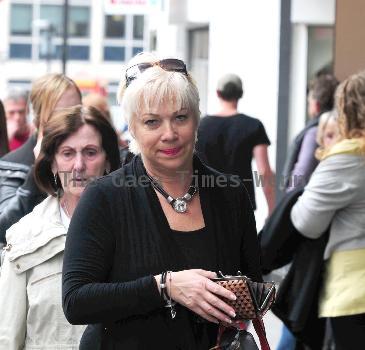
pixel 195 290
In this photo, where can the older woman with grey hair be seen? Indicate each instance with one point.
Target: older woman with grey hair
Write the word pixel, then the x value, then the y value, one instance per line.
pixel 144 241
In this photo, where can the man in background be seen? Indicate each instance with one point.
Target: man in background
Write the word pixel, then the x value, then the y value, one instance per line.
pixel 16 111
pixel 301 161
pixel 228 140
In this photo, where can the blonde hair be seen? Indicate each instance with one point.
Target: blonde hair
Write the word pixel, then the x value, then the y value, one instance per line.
pixel 45 93
pixel 153 87
pixel 350 103
pixel 324 120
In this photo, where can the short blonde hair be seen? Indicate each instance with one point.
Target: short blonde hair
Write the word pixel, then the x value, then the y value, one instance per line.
pixel 153 87
pixel 324 120
pixel 45 93
pixel 350 103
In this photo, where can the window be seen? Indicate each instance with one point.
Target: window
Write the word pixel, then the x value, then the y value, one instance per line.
pixel 54 14
pixel 55 52
pixel 115 26
pixel 114 53
pixel 78 52
pixel 21 19
pixel 20 51
pixel 138 27
pixel 79 21
pixel 137 50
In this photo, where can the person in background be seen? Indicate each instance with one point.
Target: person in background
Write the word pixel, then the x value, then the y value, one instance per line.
pixel 98 101
pixel 335 198
pixel 328 132
pixel 78 145
pixel 18 192
pixel 4 144
pixel 101 103
pixel 301 160
pixel 16 110
pixel 144 240
pixel 228 140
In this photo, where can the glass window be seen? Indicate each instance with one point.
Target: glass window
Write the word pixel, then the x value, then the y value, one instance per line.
pixel 79 21
pixel 21 19
pixel 78 52
pixel 138 27
pixel 20 51
pixel 114 26
pixel 137 50
pixel 54 14
pixel 114 53
pixel 55 53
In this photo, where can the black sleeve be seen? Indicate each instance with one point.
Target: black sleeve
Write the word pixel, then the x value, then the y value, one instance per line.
pixel 88 260
pixel 261 137
pixel 250 249
pixel 18 201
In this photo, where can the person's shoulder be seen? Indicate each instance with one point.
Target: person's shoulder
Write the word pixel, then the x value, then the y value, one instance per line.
pixel 248 118
pixel 30 226
pixel 22 155
pixel 208 119
pixel 228 185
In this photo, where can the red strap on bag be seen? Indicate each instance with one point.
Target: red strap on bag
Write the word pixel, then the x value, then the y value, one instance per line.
pixel 259 326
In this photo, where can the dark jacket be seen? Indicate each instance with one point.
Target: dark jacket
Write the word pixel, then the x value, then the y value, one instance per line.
pixel 18 192
pixel 297 298
pixel 119 238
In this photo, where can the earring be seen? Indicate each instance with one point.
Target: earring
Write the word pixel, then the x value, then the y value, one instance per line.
pixel 55 180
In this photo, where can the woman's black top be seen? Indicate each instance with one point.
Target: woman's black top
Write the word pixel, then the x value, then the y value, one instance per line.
pixel 198 248
pixel 119 238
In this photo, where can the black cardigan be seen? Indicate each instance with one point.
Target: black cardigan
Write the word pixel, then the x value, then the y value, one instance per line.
pixel 119 238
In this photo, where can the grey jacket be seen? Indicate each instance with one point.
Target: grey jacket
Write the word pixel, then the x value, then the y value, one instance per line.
pixel 30 284
pixel 334 195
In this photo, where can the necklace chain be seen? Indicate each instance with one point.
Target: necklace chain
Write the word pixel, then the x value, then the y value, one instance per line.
pixel 179 204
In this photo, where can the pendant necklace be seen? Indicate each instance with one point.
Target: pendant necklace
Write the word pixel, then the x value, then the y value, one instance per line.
pixel 179 204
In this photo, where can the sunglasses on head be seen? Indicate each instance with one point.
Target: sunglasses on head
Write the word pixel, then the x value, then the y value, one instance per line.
pixel 168 64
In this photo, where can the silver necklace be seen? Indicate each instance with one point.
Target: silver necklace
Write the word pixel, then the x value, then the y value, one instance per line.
pixel 179 204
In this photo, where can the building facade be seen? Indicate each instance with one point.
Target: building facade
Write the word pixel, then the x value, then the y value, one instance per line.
pixel 102 36
pixel 245 37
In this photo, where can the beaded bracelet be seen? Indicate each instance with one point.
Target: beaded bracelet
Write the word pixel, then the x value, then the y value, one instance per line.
pixel 163 287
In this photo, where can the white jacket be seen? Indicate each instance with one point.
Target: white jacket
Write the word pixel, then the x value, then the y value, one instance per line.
pixel 31 315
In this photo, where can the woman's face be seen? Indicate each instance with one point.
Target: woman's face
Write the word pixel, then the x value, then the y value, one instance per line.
pixel 166 137
pixel 80 159
pixel 330 133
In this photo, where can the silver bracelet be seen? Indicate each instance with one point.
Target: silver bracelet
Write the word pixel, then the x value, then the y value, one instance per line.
pixel 169 302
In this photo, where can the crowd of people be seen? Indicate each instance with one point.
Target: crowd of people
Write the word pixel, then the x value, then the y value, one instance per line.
pixel 109 245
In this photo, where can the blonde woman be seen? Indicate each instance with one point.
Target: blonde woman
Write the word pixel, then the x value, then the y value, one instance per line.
pixel 140 262
pixel 335 196
pixel 18 191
